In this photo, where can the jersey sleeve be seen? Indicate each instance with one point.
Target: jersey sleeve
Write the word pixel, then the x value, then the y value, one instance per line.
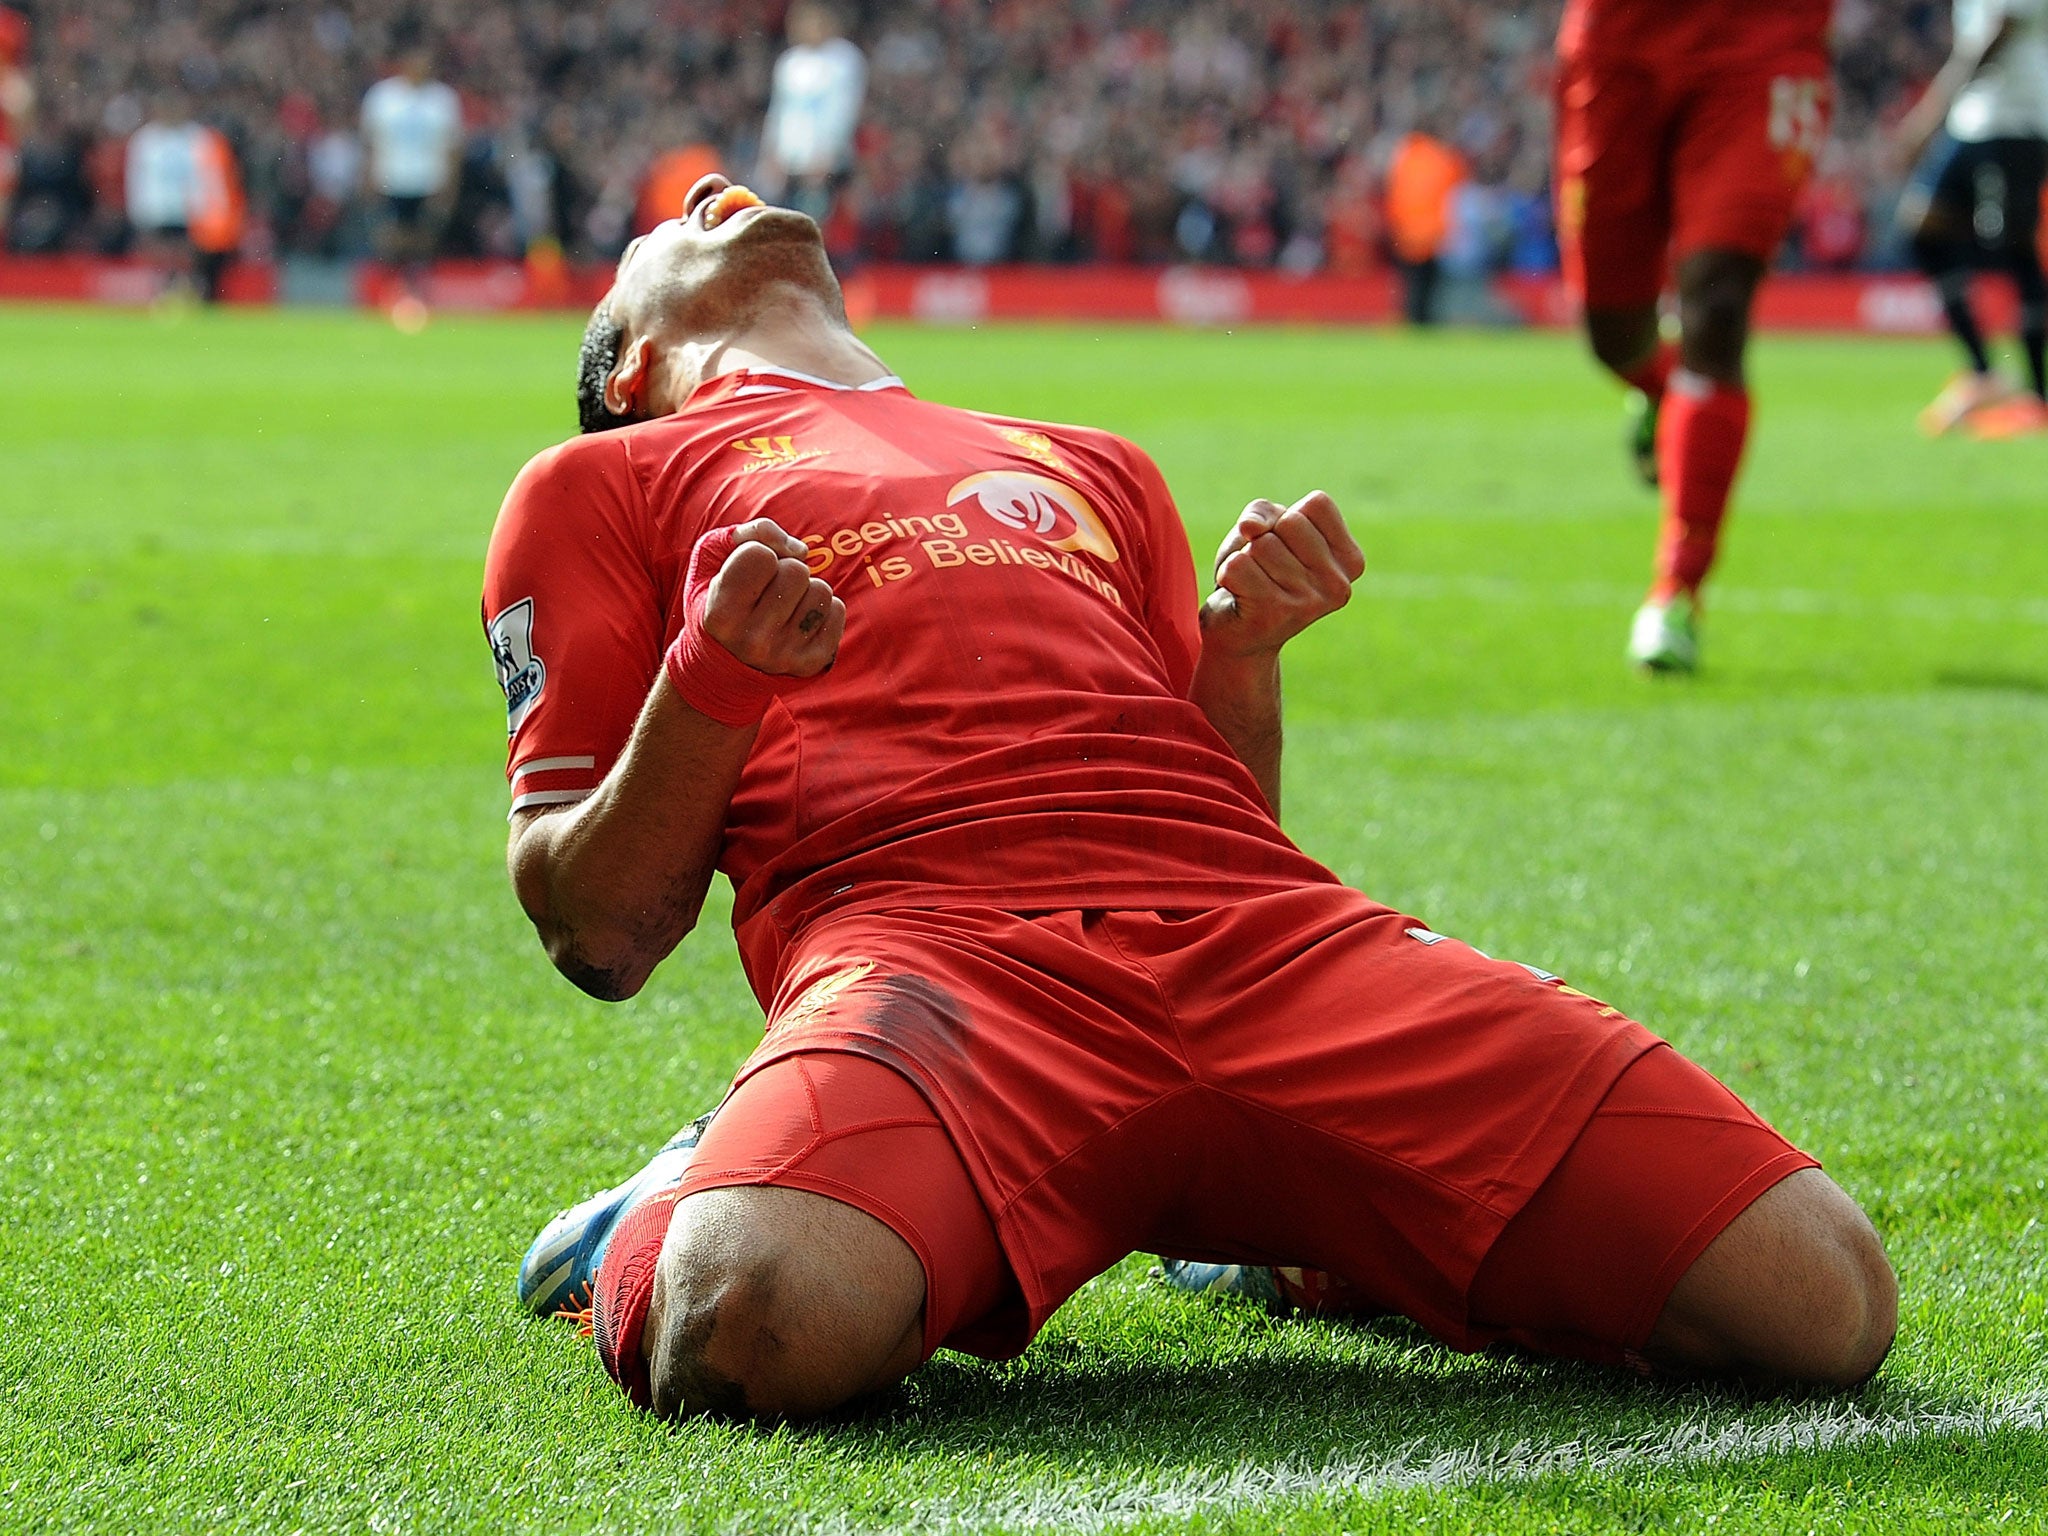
pixel 1170 602
pixel 574 616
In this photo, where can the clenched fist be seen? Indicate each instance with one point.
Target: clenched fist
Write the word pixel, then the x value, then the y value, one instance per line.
pixel 766 607
pixel 1279 570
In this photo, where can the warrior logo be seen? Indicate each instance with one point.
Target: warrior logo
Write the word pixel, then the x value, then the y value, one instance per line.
pixel 520 672
pixel 1038 504
pixel 773 452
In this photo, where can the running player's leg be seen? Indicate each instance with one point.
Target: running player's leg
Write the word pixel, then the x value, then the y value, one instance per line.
pixel 1742 153
pixel 1936 214
pixel 1706 418
pixel 1613 217
pixel 826 1239
pixel 2022 164
pixel 2024 247
pixel 2024 259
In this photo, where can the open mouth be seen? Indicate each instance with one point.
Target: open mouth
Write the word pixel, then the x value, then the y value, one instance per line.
pixel 729 202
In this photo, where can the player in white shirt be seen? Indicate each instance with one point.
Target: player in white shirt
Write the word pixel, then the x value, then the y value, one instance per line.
pixel 162 183
pixel 813 109
pixel 412 130
pixel 1974 200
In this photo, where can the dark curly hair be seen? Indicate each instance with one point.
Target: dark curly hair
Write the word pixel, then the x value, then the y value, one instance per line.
pixel 594 365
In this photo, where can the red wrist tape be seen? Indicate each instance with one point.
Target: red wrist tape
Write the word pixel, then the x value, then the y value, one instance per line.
pixel 710 678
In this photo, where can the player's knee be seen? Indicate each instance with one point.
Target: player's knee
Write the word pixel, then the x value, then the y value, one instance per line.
pixel 1621 340
pixel 698 1307
pixel 1715 292
pixel 1797 1288
pixel 747 1321
pixel 731 1337
pixel 1856 1311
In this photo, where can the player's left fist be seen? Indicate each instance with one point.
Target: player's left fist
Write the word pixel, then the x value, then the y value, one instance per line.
pixel 1279 570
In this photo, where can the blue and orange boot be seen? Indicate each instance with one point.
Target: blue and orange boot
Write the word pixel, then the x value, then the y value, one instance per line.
pixel 557 1278
pixel 1281 1289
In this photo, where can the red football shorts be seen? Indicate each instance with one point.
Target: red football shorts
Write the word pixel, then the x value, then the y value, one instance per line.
pixel 1304 1079
pixel 1658 161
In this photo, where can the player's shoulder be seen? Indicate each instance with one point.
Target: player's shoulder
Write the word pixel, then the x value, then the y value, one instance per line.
pixel 1091 442
pixel 576 465
pixel 569 486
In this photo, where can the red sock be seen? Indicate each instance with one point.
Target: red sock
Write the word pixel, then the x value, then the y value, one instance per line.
pixel 625 1285
pixel 1699 446
pixel 1653 373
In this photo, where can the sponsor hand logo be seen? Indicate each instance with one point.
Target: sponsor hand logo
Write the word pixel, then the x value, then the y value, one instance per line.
pixel 521 673
pixel 1038 504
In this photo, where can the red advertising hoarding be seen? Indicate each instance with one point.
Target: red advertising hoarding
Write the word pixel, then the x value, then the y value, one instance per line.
pixel 1201 296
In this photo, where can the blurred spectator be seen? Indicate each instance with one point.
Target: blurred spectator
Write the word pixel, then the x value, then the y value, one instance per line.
pixel 669 179
pixel 807 141
pixel 218 211
pixel 1423 179
pixel 985 210
pixel 412 129
pixel 1828 229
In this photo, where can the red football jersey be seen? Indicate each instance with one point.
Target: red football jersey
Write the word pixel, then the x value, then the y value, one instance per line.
pixel 13 55
pixel 1693 31
pixel 1007 723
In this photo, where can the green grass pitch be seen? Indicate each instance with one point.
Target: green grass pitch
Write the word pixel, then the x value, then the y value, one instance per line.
pixel 286 1085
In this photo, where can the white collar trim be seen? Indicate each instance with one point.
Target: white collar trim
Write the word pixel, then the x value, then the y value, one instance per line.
pixel 886 381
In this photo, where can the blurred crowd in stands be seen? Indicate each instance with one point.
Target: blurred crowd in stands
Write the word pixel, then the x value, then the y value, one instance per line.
pixel 1266 133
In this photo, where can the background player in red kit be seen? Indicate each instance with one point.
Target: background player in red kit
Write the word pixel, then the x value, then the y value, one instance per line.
pixel 1045 982
pixel 17 98
pixel 1684 135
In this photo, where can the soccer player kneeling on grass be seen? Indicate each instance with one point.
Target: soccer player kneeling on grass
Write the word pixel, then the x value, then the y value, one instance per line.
pixel 1045 982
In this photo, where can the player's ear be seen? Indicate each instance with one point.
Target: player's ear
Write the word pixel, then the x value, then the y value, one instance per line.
pixel 625 388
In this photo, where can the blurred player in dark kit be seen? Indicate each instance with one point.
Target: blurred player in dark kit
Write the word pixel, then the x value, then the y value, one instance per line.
pixel 1685 133
pixel 1980 137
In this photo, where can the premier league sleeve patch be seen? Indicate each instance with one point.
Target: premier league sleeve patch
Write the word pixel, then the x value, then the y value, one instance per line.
pixel 520 672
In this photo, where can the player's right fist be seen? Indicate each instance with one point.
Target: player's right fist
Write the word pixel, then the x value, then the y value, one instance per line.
pixel 764 605
pixel 755 621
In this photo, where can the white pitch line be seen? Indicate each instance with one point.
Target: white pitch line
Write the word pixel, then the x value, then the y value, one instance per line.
pixel 1085 1505
pixel 1795 601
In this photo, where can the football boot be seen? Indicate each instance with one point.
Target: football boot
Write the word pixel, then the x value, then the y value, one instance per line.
pixel 1283 1288
pixel 556 1275
pixel 1962 398
pixel 1664 637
